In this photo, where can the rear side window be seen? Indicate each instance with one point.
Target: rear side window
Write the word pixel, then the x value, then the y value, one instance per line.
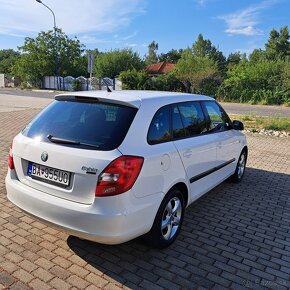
pixel 159 130
pixel 192 118
pixel 178 130
pixel 103 125
pixel 219 120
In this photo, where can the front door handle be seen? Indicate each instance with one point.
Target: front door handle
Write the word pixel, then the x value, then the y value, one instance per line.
pixel 187 153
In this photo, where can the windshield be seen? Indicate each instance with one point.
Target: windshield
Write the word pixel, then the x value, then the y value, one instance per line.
pixel 88 125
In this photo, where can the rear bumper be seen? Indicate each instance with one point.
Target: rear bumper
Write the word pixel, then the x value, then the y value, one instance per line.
pixel 109 220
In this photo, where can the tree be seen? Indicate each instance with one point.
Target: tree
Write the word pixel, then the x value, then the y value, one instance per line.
pixel 8 58
pixel 140 80
pixel 171 56
pixel 37 57
pixel 278 46
pixel 194 70
pixel 262 82
pixel 234 58
pixel 134 80
pixel 204 48
pixel 152 53
pixel 257 55
pixel 112 63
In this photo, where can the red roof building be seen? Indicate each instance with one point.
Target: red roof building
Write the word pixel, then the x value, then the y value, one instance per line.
pixel 159 68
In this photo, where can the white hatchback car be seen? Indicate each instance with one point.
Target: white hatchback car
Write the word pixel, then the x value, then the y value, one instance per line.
pixel 109 167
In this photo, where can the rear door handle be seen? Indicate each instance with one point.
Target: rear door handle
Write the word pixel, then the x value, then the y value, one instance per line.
pixel 187 153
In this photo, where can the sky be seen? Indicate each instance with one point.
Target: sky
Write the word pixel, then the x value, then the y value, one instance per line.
pixel 231 25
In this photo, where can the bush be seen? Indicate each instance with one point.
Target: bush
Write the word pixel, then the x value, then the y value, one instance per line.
pixel 76 85
pixel 134 80
pixel 140 80
pixel 263 82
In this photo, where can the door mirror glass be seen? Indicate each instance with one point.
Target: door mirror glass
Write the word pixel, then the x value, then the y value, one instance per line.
pixel 238 125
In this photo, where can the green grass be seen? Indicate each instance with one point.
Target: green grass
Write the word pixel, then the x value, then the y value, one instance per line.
pixel 254 122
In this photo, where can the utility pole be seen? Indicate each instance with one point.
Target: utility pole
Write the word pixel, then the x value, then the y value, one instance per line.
pixel 55 43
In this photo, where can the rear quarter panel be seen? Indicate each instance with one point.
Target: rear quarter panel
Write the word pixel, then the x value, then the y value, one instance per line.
pixel 162 166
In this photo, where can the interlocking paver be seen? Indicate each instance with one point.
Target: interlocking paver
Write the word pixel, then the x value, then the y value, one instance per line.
pixel 235 236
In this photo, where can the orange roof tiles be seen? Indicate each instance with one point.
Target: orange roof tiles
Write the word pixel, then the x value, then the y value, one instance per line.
pixel 160 68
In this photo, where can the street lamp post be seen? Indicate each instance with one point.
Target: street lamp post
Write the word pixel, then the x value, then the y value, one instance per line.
pixel 55 42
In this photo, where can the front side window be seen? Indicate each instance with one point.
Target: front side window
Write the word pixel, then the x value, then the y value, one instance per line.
pixel 90 124
pixel 192 118
pixel 219 120
pixel 159 130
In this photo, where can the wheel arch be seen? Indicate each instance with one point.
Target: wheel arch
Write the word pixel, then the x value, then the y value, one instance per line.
pixel 183 188
pixel 245 148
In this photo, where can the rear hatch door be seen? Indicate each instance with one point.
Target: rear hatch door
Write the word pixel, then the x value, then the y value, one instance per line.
pixel 64 149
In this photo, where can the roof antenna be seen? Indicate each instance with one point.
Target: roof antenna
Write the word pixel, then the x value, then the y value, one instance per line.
pixel 106 81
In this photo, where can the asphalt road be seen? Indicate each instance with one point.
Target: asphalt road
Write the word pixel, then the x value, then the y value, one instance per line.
pixel 28 93
pixel 260 110
pixel 231 108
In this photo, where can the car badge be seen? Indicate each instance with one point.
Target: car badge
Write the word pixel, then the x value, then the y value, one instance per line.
pixel 44 156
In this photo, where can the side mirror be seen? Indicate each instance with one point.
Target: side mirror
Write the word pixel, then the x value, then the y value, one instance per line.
pixel 238 125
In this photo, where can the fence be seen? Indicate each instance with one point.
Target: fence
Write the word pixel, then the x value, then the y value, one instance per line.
pixel 9 81
pixel 81 83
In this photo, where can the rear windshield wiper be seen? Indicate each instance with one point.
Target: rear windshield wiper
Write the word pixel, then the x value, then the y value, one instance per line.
pixel 67 141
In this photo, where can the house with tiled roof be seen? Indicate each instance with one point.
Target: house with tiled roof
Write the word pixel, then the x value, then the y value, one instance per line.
pixel 160 68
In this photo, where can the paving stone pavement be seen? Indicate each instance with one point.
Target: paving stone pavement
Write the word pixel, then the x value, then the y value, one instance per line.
pixel 234 237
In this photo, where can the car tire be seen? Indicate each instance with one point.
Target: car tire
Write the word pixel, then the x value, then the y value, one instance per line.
pixel 168 220
pixel 240 168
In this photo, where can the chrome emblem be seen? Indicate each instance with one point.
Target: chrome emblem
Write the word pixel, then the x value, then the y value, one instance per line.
pixel 44 156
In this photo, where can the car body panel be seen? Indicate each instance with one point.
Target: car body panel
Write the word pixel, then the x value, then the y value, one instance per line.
pixel 83 185
pixel 199 163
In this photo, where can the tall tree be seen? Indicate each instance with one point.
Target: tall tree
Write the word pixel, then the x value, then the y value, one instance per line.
pixel 152 57
pixel 112 63
pixel 203 47
pixel 194 70
pixel 38 57
pixel 278 45
pixel 8 58
pixel 171 56
pixel 257 55
pixel 234 58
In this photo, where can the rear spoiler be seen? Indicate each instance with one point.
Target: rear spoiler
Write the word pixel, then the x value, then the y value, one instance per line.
pixel 64 97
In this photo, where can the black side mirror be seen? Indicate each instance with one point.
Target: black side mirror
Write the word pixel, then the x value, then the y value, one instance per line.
pixel 238 125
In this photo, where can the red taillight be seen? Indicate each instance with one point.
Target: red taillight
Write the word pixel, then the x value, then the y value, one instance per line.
pixel 10 158
pixel 119 176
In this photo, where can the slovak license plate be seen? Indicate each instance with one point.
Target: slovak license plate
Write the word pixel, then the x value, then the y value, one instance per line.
pixel 48 174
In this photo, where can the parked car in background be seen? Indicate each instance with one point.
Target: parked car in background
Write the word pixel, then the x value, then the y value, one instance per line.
pixel 112 166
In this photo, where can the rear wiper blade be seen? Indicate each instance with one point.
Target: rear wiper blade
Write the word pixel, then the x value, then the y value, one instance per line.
pixel 68 141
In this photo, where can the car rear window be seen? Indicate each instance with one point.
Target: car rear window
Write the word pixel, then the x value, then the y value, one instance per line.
pixel 101 125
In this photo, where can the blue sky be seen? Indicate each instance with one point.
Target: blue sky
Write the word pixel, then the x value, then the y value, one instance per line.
pixel 231 25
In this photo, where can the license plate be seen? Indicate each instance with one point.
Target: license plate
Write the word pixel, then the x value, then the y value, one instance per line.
pixel 48 174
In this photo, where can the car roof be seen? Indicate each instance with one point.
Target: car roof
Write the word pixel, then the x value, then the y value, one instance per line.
pixel 134 98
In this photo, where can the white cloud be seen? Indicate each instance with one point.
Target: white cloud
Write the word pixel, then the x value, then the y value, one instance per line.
pixel 248 47
pixel 248 30
pixel 127 37
pixel 90 39
pixel 73 16
pixel 116 39
pixel 200 2
pixel 244 22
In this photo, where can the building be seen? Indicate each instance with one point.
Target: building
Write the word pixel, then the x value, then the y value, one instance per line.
pixel 160 68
